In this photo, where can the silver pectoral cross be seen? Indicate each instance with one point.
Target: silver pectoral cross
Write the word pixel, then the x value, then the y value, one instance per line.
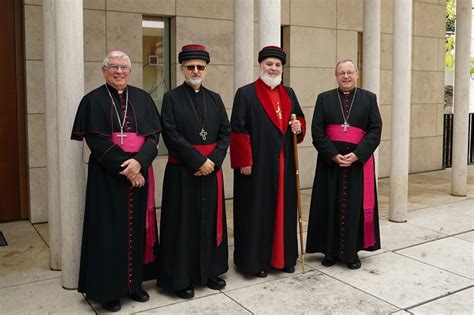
pixel 345 126
pixel 121 136
pixel 203 134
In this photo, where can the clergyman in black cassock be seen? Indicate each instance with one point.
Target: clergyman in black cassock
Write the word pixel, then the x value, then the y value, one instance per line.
pixel 193 232
pixel 121 125
pixel 346 130
pixel 262 156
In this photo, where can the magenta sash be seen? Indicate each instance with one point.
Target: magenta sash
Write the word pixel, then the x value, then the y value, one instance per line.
pixel 355 135
pixel 132 143
pixel 206 149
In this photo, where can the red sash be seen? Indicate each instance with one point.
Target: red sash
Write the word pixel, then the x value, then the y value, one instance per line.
pixel 206 149
pixel 355 135
pixel 132 143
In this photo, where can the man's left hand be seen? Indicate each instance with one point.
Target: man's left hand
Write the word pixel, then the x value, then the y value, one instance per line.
pixel 132 168
pixel 295 126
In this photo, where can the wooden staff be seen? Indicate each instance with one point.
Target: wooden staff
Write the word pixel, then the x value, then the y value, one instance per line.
pixel 298 195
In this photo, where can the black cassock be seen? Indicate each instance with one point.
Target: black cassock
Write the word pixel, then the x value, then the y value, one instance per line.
pixel 256 138
pixel 188 250
pixel 113 242
pixel 336 214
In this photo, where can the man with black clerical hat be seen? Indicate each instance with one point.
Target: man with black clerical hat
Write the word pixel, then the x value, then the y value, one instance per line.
pixel 262 156
pixel 346 130
pixel 121 125
pixel 193 231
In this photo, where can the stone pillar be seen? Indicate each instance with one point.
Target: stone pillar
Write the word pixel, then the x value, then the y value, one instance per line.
pixel 461 97
pixel 54 223
pixel 371 54
pixel 401 94
pixel 243 43
pixel 269 18
pixel 69 91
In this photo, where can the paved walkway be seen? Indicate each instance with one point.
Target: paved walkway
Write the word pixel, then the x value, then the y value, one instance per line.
pixel 425 267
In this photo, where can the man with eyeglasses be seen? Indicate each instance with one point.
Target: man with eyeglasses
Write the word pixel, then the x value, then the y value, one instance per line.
pixel 346 130
pixel 262 156
pixel 121 126
pixel 193 232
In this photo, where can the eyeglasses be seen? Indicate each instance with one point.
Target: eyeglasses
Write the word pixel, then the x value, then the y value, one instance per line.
pixel 343 73
pixel 192 67
pixel 115 68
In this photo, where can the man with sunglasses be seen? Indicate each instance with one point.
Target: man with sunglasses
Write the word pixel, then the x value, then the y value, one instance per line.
pixel 346 130
pixel 121 125
pixel 262 156
pixel 193 231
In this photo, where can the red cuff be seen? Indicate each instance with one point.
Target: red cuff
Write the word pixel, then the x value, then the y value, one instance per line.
pixel 240 150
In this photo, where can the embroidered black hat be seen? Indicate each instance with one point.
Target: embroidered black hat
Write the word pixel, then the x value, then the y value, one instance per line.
pixel 193 51
pixel 272 51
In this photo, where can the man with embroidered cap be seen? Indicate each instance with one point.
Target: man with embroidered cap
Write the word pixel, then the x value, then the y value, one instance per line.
pixel 346 130
pixel 121 125
pixel 262 156
pixel 193 231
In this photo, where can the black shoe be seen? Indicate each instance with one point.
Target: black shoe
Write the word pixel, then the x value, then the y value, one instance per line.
pixel 112 306
pixel 140 296
pixel 355 264
pixel 215 283
pixel 187 293
pixel 261 274
pixel 328 262
pixel 289 269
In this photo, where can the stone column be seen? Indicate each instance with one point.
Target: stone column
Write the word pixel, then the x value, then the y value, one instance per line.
pixel 401 88
pixel 371 54
pixel 269 17
pixel 243 43
pixel 461 97
pixel 69 91
pixel 54 223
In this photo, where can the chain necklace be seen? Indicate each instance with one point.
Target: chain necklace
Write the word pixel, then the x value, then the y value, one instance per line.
pixel 346 125
pixel 202 133
pixel 121 123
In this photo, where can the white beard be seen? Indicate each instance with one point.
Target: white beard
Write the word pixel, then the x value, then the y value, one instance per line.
pixel 194 82
pixel 270 80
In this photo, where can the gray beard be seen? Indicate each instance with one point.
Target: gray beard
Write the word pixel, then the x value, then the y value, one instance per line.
pixel 193 82
pixel 269 80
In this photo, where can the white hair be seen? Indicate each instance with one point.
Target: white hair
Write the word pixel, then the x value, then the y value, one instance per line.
pixel 347 60
pixel 115 54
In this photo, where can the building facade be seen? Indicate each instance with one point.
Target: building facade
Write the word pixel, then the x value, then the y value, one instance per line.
pixel 315 34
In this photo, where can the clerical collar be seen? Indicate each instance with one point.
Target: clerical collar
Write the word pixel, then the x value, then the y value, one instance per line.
pixel 192 88
pixel 114 90
pixel 345 92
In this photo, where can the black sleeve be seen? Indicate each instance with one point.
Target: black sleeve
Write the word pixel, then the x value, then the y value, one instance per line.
pixel 223 139
pixel 148 152
pixel 177 145
pixel 321 141
pixel 371 139
pixel 109 155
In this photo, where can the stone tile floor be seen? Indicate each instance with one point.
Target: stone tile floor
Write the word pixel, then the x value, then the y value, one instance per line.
pixel 425 266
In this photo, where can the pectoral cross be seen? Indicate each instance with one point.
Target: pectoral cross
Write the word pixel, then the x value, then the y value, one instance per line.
pixel 345 126
pixel 121 136
pixel 203 134
pixel 278 111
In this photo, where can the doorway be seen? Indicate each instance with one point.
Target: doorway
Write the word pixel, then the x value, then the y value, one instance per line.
pixel 13 169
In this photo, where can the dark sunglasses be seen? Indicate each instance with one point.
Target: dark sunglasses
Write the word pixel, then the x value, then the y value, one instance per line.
pixel 199 67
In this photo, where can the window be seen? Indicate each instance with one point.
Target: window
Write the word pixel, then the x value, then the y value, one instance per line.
pixel 156 61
